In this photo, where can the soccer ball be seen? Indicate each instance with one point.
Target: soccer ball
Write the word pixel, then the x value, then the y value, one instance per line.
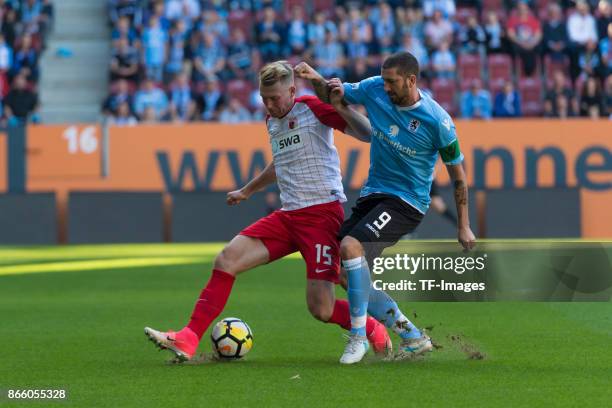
pixel 231 338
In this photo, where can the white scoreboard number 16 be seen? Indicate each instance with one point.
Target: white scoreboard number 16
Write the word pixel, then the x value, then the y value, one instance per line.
pixel 85 141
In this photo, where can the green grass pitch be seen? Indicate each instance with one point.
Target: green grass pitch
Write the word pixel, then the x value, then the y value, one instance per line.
pixel 73 318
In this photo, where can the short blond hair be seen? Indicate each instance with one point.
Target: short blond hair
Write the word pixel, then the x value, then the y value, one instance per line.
pixel 278 71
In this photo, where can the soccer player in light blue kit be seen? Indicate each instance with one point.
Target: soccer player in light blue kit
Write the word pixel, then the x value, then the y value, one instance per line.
pixel 409 131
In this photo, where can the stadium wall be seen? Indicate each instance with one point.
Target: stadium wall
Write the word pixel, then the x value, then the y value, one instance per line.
pixel 170 158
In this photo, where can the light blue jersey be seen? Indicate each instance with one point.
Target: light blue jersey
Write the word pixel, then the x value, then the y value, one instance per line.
pixel 405 142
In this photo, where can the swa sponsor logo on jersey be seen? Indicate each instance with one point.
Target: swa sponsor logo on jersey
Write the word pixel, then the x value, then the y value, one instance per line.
pixel 286 144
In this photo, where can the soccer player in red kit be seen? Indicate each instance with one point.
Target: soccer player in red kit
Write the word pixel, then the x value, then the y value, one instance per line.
pixel 306 167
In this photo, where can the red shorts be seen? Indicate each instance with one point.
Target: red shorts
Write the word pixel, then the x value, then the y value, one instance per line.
pixel 312 230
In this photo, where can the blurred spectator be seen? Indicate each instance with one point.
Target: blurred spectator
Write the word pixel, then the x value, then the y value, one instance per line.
pixel 355 22
pixel 443 62
pixel 591 99
pixel 608 97
pixel 154 49
pixel 605 49
pixel 329 57
pixel 123 116
pixel 301 88
pixel 124 64
pixel 555 33
pixel 149 116
pixel 495 33
pixel 269 33
pixel 410 21
pixel 355 47
pixel 359 70
pixel 182 101
pixel 560 86
pixel 318 27
pixel 211 22
pixel 6 56
pixel 507 102
pixel 178 9
pixel 9 26
pixel 256 104
pixel 383 23
pixel 209 59
pixel 126 8
pixel 438 30
pixel 175 54
pixel 120 95
pixel 124 30
pixel 297 32
pixel 157 11
pixel 473 37
pixel 239 56
pixel 26 59
pixel 581 25
pixel 588 61
pixel 476 103
pixel 31 15
pixel 446 7
pixel 212 100
pixel 414 46
pixel 234 113
pixel 150 96
pixel 525 34
pixel 604 19
pixel 563 108
pixel 21 104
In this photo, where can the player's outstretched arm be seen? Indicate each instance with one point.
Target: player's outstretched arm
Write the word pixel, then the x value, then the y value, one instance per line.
pixel 465 235
pixel 305 71
pixel 358 125
pixel 267 176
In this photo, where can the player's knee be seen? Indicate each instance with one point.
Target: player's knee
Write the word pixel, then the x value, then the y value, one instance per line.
pixel 320 311
pixel 226 261
pixel 350 248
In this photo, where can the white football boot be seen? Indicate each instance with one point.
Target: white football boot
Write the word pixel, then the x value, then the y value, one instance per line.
pixel 410 348
pixel 356 347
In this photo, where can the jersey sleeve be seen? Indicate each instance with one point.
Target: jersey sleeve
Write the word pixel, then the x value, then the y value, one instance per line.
pixel 355 93
pixel 325 113
pixel 446 140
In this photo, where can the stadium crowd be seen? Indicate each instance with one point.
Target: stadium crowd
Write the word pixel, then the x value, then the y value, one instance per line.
pixel 24 25
pixel 197 60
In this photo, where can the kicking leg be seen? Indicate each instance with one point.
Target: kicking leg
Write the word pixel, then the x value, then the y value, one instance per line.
pixel 385 309
pixel 323 306
pixel 241 254
pixel 358 277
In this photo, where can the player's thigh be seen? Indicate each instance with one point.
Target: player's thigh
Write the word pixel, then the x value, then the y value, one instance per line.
pixel 316 237
pixel 269 232
pixel 384 225
pixel 240 254
pixel 320 298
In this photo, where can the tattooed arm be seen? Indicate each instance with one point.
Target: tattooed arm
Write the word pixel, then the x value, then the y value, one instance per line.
pixel 465 235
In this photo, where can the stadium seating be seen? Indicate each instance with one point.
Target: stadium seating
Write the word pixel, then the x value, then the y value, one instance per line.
pixel 530 90
pixel 444 91
pixel 470 68
pixel 494 69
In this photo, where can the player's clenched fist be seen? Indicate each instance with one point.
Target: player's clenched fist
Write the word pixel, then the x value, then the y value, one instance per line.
pixel 336 91
pixel 235 197
pixel 305 71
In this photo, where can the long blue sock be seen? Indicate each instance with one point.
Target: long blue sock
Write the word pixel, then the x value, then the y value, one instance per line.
pixel 383 308
pixel 358 291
